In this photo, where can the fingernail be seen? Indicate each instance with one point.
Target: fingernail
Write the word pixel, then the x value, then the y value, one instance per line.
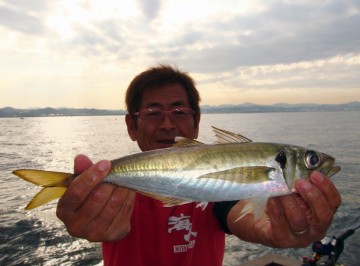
pixel 304 185
pixel 103 166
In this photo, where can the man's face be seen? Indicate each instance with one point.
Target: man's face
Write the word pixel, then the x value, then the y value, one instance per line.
pixel 152 135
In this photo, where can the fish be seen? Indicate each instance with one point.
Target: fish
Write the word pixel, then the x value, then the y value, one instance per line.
pixel 233 168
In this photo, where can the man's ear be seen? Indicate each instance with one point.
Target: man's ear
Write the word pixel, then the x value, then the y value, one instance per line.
pixel 131 127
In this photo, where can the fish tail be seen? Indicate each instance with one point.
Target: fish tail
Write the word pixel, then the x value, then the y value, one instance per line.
pixel 54 185
pixel 45 195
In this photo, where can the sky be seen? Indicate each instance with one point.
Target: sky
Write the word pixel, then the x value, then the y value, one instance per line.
pixel 83 54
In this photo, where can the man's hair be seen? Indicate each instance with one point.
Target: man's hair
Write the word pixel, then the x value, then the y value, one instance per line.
pixel 156 77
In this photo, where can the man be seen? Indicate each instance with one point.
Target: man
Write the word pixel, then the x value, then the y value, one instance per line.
pixel 137 230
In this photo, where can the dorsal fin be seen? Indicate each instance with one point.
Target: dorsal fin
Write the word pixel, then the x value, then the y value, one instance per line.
pixel 224 136
pixel 184 142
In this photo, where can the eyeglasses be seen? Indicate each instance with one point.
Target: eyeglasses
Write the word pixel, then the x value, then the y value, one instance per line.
pixel 177 114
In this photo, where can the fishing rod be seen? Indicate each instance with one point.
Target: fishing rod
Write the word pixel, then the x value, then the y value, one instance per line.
pixel 328 250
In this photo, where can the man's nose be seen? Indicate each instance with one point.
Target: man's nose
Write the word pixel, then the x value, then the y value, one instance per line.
pixel 167 122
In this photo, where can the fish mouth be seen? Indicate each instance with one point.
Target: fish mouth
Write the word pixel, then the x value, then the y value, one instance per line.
pixel 325 166
pixel 329 172
pixel 333 170
pixel 328 168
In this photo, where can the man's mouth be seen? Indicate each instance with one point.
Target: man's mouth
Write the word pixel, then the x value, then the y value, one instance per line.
pixel 166 141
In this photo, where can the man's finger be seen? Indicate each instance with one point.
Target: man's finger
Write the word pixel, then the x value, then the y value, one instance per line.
pixel 81 163
pixel 80 188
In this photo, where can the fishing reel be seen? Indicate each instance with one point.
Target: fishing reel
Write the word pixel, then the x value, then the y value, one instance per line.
pixel 328 250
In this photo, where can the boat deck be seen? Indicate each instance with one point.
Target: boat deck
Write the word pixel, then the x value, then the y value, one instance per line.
pixel 273 259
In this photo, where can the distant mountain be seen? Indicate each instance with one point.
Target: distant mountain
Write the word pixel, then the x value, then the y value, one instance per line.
pixel 48 111
pixel 281 107
pixel 226 108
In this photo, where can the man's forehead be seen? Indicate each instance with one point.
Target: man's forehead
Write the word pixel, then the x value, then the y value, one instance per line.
pixel 167 96
pixel 164 105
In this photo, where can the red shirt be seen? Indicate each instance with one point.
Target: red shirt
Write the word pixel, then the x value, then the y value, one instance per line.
pixel 180 235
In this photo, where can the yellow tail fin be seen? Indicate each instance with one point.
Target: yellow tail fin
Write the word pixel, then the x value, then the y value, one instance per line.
pixel 45 195
pixel 54 184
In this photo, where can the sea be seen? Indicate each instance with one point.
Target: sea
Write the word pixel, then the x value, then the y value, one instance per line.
pixel 37 237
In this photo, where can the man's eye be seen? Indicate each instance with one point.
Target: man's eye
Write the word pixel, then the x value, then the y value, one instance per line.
pixel 153 113
pixel 179 112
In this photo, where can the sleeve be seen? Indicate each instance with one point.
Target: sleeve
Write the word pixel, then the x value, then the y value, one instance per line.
pixel 221 211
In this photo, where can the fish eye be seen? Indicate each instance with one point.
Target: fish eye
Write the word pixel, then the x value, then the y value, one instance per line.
pixel 281 159
pixel 312 159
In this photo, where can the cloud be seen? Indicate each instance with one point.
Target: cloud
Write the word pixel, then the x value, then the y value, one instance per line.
pixel 150 8
pixel 26 5
pixel 233 45
pixel 283 33
pixel 21 21
pixel 336 74
pixel 103 39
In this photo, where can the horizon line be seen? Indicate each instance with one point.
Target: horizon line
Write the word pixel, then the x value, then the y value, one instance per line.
pixel 204 105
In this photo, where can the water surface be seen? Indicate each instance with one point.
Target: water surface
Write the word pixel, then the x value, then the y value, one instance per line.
pixel 39 238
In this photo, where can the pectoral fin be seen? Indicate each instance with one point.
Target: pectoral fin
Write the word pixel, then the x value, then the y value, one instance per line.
pixel 255 206
pixel 242 175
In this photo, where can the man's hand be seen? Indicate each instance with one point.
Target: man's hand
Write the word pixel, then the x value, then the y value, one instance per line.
pixel 292 220
pixel 94 210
